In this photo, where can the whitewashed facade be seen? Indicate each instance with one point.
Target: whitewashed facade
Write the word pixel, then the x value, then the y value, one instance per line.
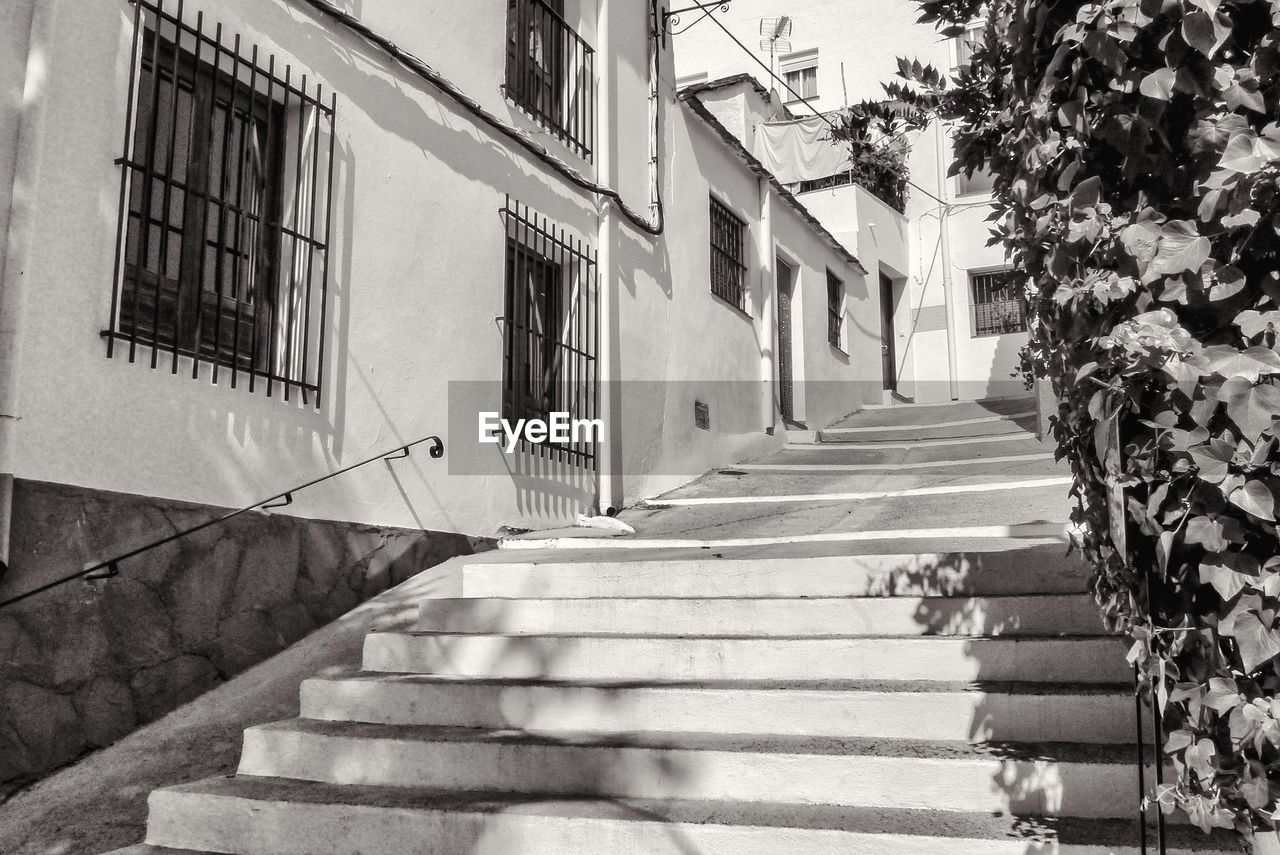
pixel 413 307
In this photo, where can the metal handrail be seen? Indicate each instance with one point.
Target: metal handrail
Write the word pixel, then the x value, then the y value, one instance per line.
pixel 110 567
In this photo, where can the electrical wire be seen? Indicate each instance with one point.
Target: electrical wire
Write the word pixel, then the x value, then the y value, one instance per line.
pixel 426 72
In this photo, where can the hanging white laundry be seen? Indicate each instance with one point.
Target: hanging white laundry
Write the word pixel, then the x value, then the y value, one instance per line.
pixel 799 150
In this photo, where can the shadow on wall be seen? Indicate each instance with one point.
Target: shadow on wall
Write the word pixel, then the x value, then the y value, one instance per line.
pixel 85 663
pixel 1006 374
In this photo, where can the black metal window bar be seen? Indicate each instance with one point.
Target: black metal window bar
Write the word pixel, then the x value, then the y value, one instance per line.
pixel 997 302
pixel 728 269
pixel 835 309
pixel 551 331
pixel 225 215
pixel 551 71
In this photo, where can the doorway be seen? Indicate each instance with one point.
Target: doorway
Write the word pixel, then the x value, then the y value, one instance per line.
pixel 786 388
pixel 888 357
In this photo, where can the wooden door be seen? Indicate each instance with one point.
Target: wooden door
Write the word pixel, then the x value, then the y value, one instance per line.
pixel 889 369
pixel 786 395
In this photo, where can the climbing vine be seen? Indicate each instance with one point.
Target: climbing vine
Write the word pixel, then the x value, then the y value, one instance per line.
pixel 1136 163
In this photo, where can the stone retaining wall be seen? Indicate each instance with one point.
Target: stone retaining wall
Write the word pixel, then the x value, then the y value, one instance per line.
pixel 84 664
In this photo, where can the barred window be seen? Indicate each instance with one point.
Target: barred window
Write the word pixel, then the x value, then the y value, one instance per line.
pixel 728 270
pixel 224 225
pixel 997 302
pixel 551 71
pixel 835 310
pixel 551 333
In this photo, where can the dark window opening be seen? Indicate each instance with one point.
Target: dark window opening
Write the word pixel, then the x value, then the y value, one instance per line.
pixel 728 268
pixel 550 330
pixel 835 309
pixel 997 300
pixel 225 214
pixel 551 71
pixel 197 251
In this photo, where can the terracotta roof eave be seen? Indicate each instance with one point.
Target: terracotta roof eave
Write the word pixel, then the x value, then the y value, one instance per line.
pixel 752 163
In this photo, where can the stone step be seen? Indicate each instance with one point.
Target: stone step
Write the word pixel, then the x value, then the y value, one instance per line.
pixel 1039 660
pixel 1047 780
pixel 891 709
pixel 903 516
pixel 1042 568
pixel 945 429
pixel 263 816
pixel 148 849
pixel 936 412
pixel 1057 614
pixel 924 451
pixel 752 481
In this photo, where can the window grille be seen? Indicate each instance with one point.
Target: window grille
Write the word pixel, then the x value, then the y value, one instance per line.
pixel 551 71
pixel 551 329
pixel 728 279
pixel 997 302
pixel 835 309
pixel 227 175
pixel 802 80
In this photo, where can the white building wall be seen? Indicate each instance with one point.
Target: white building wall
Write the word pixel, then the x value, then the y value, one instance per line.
pixel 416 285
pixel 858 43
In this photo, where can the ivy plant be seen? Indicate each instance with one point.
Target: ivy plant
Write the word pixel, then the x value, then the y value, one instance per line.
pixel 1136 158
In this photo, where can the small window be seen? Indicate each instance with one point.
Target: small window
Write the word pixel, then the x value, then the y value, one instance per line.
pixel 800 73
pixel 728 269
pixel 550 71
pixel 997 302
pixel 225 211
pixel 835 310
pixel 549 328
pixel 969 42
pixel 802 82
pixel 982 181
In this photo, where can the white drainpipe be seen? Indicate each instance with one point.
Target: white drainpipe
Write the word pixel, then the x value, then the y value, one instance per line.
pixel 608 454
pixel 944 232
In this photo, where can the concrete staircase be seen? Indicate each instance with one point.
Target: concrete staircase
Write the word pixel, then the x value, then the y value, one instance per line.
pixel 695 690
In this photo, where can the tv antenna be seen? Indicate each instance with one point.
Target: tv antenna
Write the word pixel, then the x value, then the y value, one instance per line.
pixel 776 32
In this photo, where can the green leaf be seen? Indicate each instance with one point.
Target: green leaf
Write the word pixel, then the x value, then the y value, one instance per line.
pixel 1206 532
pixel 1258 644
pixel 1178 740
pixel 1241 154
pixel 1212 459
pixel 1251 407
pixel 1203 32
pixel 1252 322
pixel 1225 581
pixel 1223 694
pixel 1229 282
pixel 1182 248
pixel 1255 498
pixel 1158 84
pixel 1141 240
pixel 1250 363
pixel 1087 193
pixel 1199 759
